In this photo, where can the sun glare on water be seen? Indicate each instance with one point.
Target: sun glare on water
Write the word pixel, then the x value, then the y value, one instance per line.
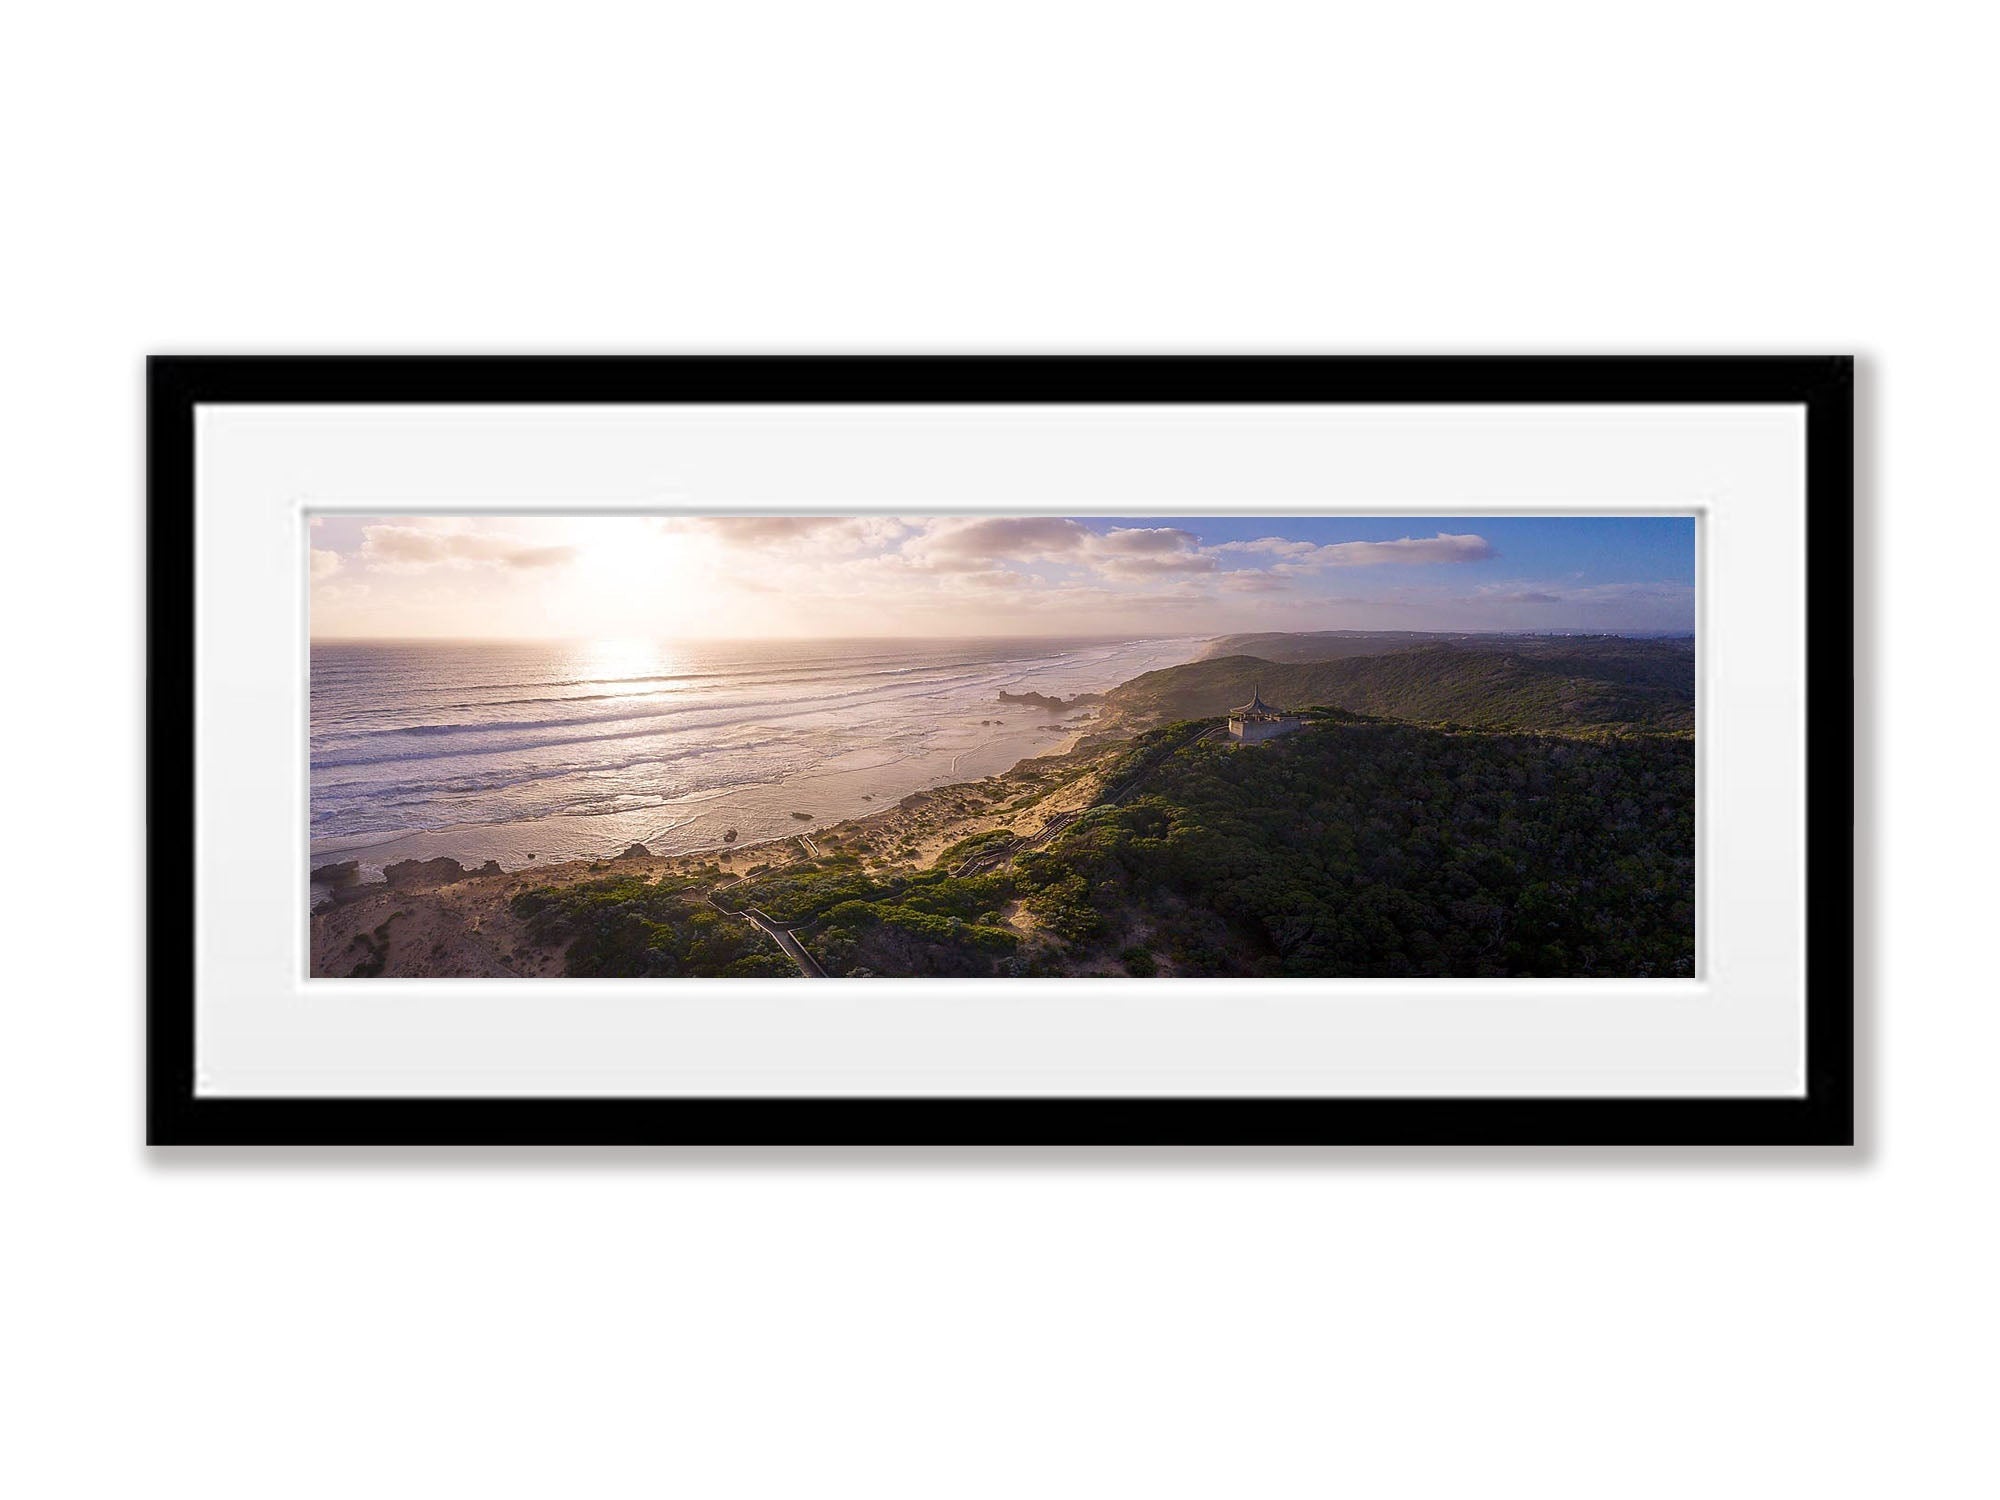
pixel 623 660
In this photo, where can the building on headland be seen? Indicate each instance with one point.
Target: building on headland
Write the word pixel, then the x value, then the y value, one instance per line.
pixel 1257 721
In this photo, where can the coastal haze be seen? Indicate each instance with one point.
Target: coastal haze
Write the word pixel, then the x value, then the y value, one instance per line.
pixel 815 746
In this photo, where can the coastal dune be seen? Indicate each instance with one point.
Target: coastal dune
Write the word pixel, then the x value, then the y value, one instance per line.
pixel 1014 871
pixel 435 917
pixel 475 753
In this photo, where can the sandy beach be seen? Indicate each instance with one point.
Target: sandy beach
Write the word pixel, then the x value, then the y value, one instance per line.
pixel 453 918
pixel 849 786
pixel 479 755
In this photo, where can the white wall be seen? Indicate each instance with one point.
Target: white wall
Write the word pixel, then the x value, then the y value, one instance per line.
pixel 1529 177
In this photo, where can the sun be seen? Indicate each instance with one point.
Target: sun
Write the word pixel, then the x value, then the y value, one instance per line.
pixel 631 578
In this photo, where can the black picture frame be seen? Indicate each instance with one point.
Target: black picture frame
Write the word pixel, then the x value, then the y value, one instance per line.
pixel 1823 1115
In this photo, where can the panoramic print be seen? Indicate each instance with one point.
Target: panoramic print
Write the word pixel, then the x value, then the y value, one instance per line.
pixel 806 746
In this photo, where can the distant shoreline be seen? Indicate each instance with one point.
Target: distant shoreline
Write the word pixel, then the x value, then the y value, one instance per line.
pixel 1501 707
pixel 725 849
pixel 832 799
pixel 463 846
pixel 461 920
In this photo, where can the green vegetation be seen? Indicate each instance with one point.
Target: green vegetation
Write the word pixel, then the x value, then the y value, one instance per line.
pixel 1515 682
pixel 1324 645
pixel 373 948
pixel 909 922
pixel 1139 962
pixel 980 843
pixel 1529 810
pixel 1382 849
pixel 628 926
pixel 1353 848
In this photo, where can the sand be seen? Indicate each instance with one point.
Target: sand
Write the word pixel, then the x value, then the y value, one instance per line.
pixel 464 927
pixel 847 787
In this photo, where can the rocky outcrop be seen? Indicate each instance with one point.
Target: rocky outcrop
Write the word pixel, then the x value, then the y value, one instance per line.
pixel 343 873
pixel 417 872
pixel 491 867
pixel 1052 705
pixel 637 851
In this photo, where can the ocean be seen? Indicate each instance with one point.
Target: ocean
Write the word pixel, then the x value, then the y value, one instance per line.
pixel 530 752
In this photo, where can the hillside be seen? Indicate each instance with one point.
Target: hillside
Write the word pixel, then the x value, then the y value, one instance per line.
pixel 1500 807
pixel 1550 683
pixel 1321 645
pixel 1347 849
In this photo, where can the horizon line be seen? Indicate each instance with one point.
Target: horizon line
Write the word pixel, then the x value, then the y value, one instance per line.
pixel 1632 633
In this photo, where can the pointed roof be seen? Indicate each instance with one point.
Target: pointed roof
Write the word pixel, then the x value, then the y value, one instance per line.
pixel 1256 705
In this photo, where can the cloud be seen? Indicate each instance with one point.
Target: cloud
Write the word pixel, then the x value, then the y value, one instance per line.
pixel 1277 546
pixel 758 532
pixel 1592 594
pixel 1143 541
pixel 992 580
pixel 993 539
pixel 1445 547
pixel 1137 552
pixel 410 549
pixel 767 528
pixel 1253 581
pixel 537 557
pixel 1122 554
pixel 1153 567
pixel 1612 593
pixel 324 563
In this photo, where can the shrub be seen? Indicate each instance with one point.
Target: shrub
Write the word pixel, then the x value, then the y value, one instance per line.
pixel 1139 962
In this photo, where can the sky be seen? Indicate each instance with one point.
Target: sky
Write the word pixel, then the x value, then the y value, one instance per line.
pixel 743 576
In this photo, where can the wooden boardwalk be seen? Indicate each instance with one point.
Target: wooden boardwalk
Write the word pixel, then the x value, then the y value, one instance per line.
pixel 785 935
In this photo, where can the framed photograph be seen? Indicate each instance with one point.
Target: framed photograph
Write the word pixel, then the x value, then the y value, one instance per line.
pixel 1029 751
